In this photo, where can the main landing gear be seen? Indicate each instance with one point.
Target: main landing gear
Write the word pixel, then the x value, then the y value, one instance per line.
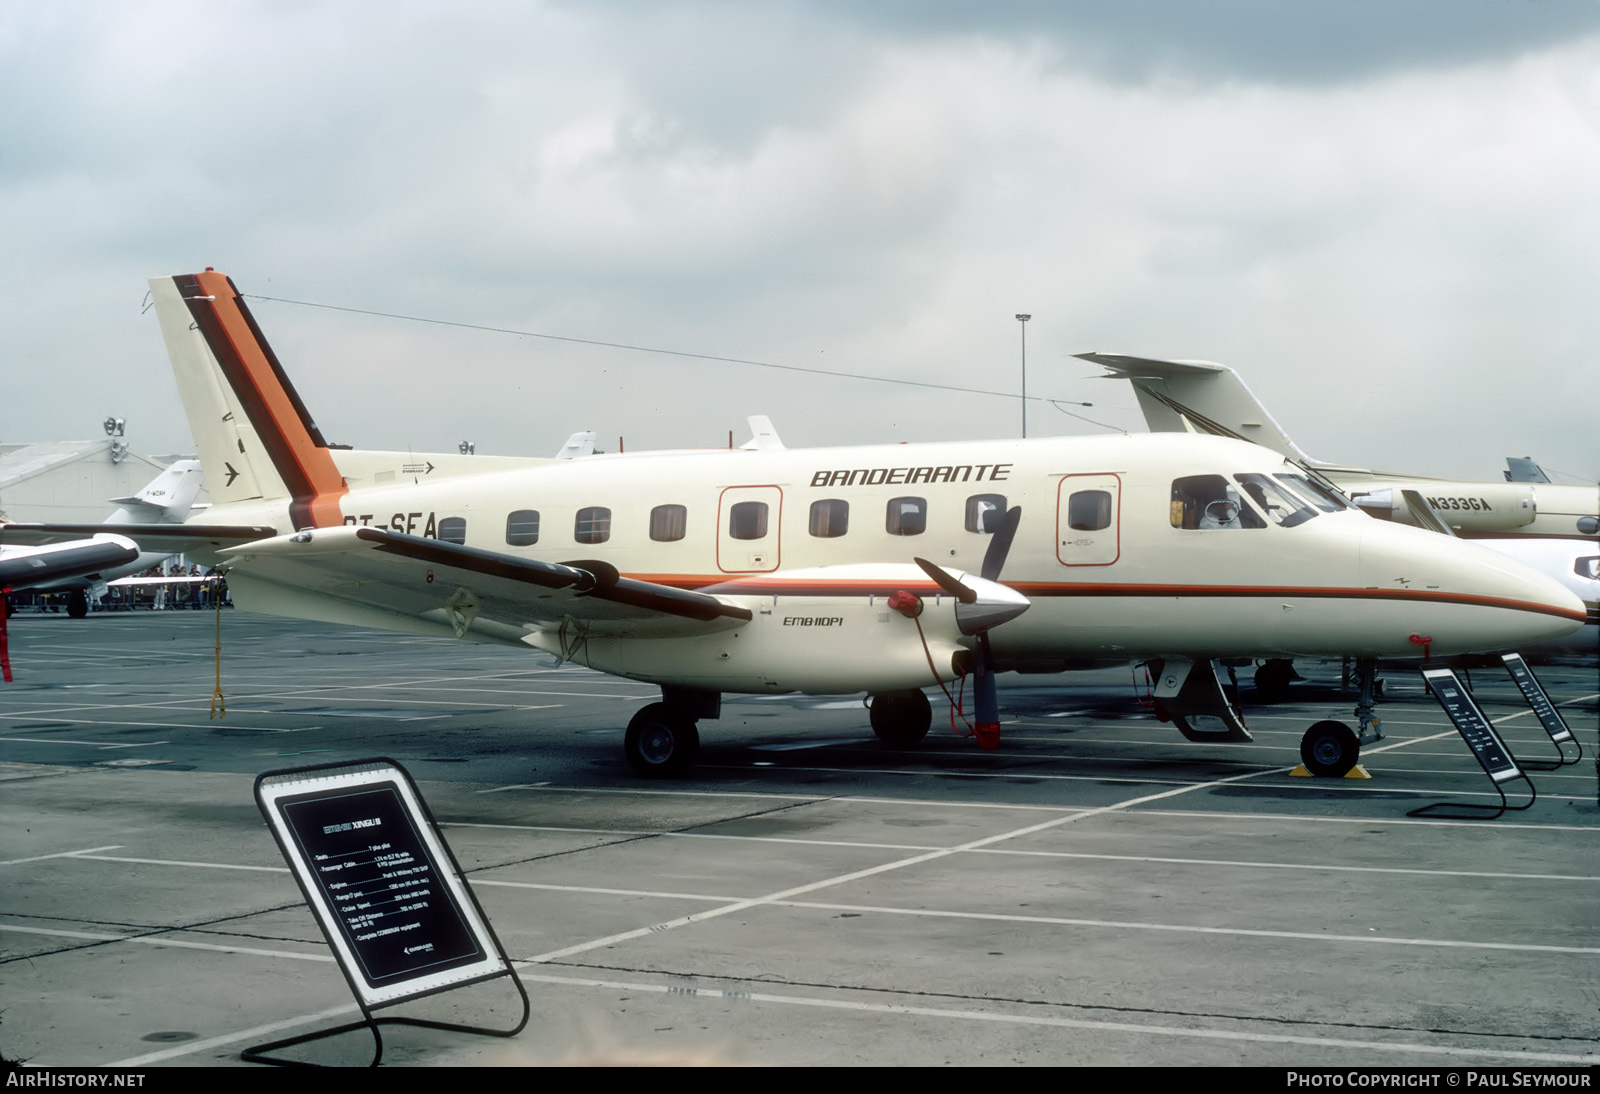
pixel 1331 749
pixel 901 718
pixel 662 739
pixel 77 604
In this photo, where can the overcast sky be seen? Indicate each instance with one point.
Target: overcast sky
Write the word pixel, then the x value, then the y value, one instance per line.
pixel 1384 214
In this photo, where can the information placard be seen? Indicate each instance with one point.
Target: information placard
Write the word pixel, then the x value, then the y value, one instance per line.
pixel 1534 693
pixel 1475 728
pixel 379 879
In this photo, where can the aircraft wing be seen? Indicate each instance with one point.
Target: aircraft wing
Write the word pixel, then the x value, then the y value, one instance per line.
pixel 24 567
pixel 489 594
pixel 170 539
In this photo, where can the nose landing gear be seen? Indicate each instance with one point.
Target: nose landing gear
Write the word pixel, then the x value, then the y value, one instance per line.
pixel 1331 749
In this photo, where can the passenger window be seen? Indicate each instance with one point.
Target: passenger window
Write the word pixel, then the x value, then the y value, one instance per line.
pixel 592 526
pixel 522 528
pixel 1089 510
pixel 1282 507
pixel 907 517
pixel 1210 501
pixel 453 530
pixel 668 523
pixel 984 512
pixel 830 518
pixel 748 520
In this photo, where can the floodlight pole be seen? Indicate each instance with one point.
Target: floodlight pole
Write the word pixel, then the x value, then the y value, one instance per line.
pixel 1022 321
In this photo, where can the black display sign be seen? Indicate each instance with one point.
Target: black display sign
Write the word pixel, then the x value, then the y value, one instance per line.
pixel 1534 693
pixel 1473 726
pixel 390 903
pixel 378 876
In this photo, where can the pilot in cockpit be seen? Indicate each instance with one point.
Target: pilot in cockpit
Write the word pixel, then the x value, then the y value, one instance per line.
pixel 1221 513
pixel 1210 502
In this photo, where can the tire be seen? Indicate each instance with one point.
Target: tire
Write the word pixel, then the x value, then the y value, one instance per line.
pixel 1329 750
pixel 1272 680
pixel 77 604
pixel 901 718
pixel 661 742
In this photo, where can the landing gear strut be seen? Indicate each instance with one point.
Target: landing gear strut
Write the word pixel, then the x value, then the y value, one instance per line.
pixel 901 718
pixel 1330 749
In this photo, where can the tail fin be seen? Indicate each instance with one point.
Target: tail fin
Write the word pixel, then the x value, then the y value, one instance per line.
pixel 254 436
pixel 166 499
pixel 1198 397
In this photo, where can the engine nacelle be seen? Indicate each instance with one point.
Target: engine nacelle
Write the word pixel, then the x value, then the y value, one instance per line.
pixel 829 630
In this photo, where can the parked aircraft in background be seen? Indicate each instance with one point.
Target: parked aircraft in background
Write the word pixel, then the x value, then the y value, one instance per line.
pixel 878 569
pixel 1552 527
pixel 169 499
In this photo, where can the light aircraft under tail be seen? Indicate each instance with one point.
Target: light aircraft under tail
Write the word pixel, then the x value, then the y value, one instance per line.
pixel 764 569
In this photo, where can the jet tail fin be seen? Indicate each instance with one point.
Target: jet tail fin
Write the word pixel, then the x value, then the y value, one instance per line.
pixel 254 435
pixel 1199 397
pixel 165 499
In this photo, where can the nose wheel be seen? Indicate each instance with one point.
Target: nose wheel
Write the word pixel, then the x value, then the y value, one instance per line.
pixel 661 742
pixel 1330 750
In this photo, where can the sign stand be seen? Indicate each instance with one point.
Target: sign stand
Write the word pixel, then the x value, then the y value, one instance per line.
pixel 1491 752
pixel 1545 710
pixel 386 890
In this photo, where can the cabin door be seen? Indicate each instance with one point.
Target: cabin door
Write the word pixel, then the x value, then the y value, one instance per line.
pixel 1089 520
pixel 749 521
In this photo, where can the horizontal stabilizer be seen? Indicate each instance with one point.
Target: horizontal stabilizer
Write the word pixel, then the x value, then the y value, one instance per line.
pixel 1198 397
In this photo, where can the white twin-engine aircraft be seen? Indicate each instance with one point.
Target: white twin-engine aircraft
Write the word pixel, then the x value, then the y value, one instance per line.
pixel 876 569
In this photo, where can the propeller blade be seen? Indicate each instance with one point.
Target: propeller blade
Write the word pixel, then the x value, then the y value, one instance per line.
pixel 994 559
pixel 947 581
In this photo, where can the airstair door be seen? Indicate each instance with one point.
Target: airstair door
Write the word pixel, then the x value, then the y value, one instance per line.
pixel 1089 520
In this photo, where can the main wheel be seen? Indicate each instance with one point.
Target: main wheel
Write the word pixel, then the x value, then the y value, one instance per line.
pixel 1329 749
pixel 661 742
pixel 1272 680
pixel 77 604
pixel 901 718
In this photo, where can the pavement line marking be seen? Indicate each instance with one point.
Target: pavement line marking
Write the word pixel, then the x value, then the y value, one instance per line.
pixel 61 854
pixel 1347 785
pixel 233 1038
pixel 179 862
pixel 547 887
pixel 1180 928
pixel 1243 863
pixel 1499 826
pixel 155 940
pixel 91 744
pixel 1065 1023
pixel 857 875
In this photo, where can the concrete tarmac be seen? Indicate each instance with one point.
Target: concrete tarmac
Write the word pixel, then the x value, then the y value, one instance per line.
pixel 1095 891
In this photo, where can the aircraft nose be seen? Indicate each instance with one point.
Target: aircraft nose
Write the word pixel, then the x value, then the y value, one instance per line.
pixel 1463 598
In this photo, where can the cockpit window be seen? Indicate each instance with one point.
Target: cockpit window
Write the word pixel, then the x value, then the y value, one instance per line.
pixel 1328 501
pixel 1282 507
pixel 1587 566
pixel 1210 501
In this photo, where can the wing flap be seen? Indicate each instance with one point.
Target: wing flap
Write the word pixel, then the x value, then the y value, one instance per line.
pixel 472 588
